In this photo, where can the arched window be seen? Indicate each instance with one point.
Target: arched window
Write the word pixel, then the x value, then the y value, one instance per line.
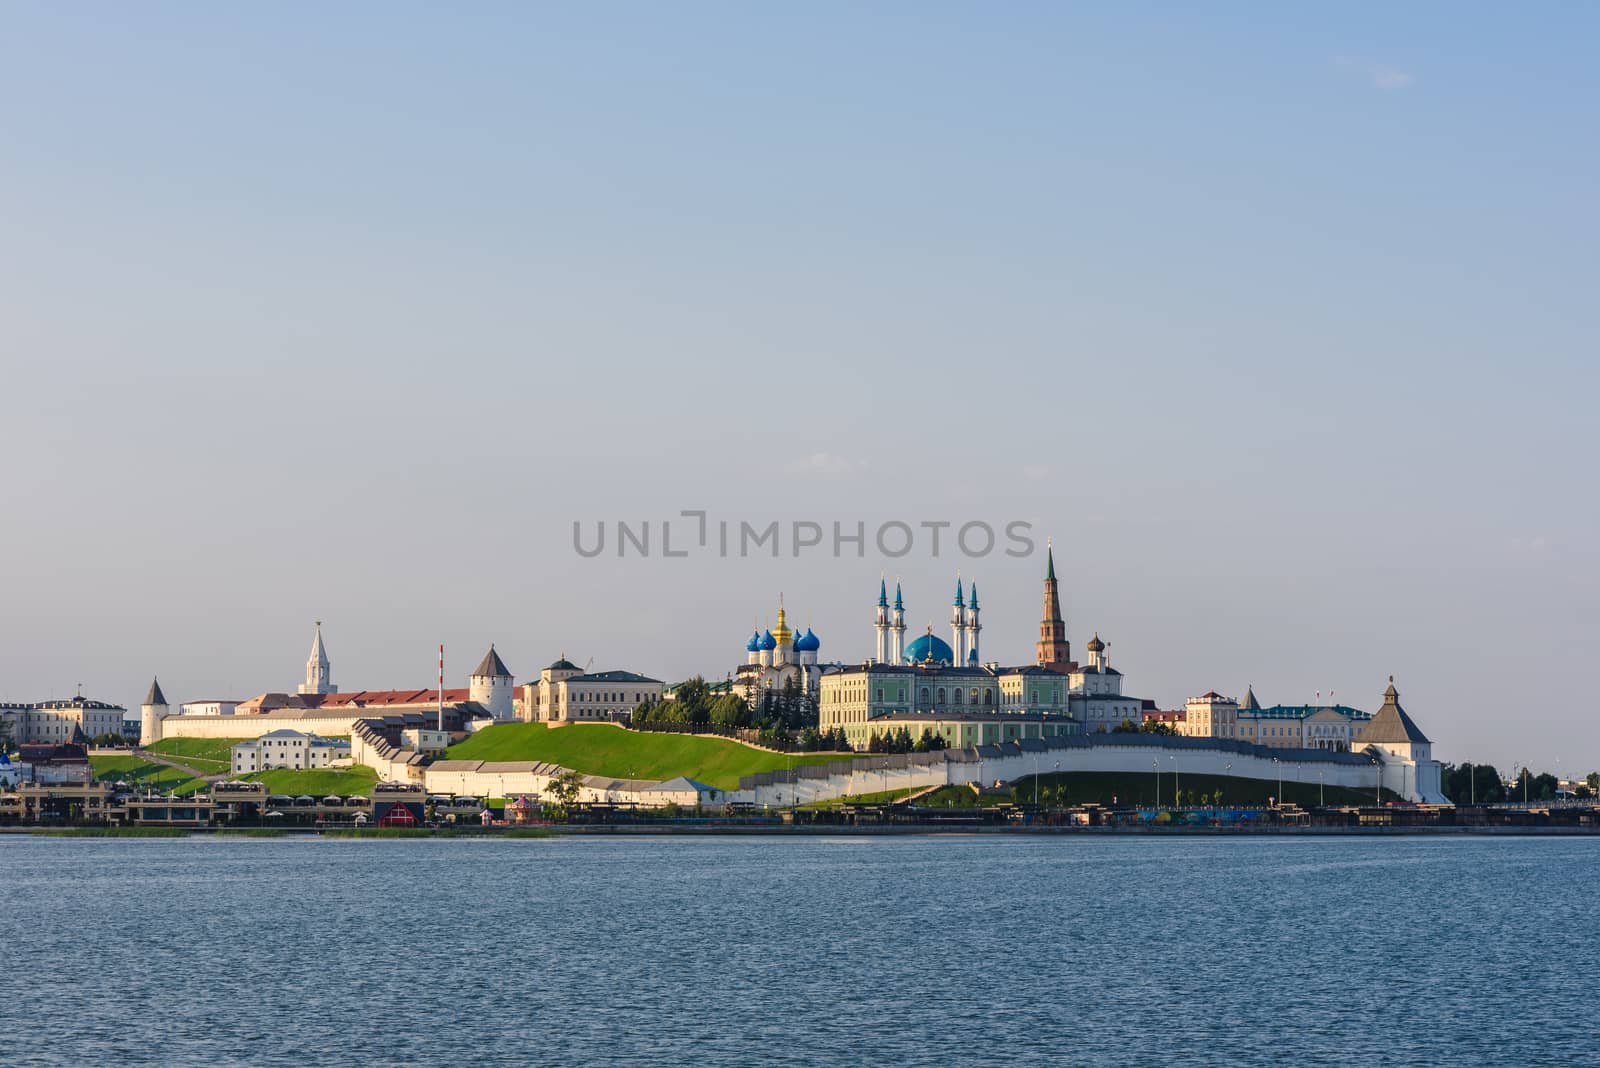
pixel 988 698
pixel 957 696
pixel 924 698
pixel 941 695
pixel 973 697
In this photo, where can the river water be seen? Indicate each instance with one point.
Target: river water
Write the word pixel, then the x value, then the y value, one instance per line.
pixel 739 951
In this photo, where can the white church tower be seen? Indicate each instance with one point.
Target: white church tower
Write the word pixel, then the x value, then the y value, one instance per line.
pixel 151 713
pixel 491 686
pixel 319 676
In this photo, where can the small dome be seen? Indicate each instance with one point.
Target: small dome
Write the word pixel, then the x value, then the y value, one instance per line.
pixel 929 646
pixel 768 642
pixel 808 642
pixel 562 665
pixel 1095 644
pixel 754 643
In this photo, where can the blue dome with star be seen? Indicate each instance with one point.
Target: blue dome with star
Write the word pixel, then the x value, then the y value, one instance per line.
pixel 768 642
pixel 929 646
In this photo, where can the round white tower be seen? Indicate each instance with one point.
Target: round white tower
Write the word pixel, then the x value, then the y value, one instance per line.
pixel 491 686
pixel 880 625
pixel 897 628
pixel 151 713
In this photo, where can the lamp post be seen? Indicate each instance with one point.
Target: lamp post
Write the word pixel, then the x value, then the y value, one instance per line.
pixel 1177 801
pixel 1227 772
pixel 1377 791
pixel 1279 763
pixel 1156 764
pixel 1472 786
pixel 1321 800
pixel 1059 790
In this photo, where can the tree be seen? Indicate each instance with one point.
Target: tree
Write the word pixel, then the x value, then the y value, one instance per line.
pixel 1153 726
pixel 1594 782
pixel 564 789
pixel 730 710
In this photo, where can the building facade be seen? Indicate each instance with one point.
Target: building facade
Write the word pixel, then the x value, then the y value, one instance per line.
pixel 777 660
pixel 565 693
pixel 58 722
pixel 288 749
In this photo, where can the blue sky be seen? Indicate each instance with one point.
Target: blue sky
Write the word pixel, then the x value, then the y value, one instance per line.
pixel 1279 321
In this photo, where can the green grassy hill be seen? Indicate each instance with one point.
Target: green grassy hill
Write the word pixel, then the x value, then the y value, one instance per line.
pixel 601 749
pixel 317 782
pixel 212 755
pixel 145 773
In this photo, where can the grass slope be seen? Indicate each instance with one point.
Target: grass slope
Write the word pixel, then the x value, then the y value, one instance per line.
pixel 601 749
pixel 317 782
pixel 146 773
pixel 207 754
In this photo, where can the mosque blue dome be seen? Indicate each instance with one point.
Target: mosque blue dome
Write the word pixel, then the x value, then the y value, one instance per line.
pixel 754 644
pixel 808 642
pixel 768 642
pixel 930 646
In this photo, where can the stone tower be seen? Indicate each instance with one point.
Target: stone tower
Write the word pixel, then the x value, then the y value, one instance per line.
pixel 319 676
pixel 1054 650
pixel 151 713
pixel 491 685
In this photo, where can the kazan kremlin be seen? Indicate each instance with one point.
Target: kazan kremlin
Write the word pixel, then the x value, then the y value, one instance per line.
pixel 982 721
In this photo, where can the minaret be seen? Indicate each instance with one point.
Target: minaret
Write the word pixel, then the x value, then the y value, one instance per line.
pixel 880 625
pixel 973 626
pixel 897 628
pixel 151 713
pixel 491 685
pixel 958 626
pixel 1054 650
pixel 319 677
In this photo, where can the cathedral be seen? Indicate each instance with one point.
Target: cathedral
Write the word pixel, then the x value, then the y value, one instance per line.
pixel 778 658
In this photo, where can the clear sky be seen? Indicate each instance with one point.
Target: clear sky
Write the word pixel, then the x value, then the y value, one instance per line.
pixel 1281 322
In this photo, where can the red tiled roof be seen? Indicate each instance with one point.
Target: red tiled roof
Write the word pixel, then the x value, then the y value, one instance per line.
pixel 384 698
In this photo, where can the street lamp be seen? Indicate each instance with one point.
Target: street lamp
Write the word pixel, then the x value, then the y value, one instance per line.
pixel 1177 801
pixel 1377 790
pixel 1279 763
pixel 1156 764
pixel 1321 800
pixel 1227 772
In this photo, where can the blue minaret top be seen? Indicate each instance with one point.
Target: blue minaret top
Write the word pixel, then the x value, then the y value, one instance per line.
pixel 974 595
pixel 883 594
pixel 959 602
pixel 897 602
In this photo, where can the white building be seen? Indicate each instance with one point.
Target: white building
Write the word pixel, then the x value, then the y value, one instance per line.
pixel 1096 697
pixel 208 707
pixel 1210 715
pixel 491 685
pixel 1404 752
pixel 778 659
pixel 288 749
pixel 424 740
pixel 565 693
pixel 55 722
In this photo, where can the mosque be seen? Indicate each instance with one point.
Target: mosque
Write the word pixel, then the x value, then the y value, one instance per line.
pixel 776 659
pixel 947 689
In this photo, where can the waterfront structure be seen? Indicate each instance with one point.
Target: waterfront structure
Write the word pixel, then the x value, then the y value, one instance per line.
pixel 288 749
pixel 780 659
pixel 565 693
pixel 53 722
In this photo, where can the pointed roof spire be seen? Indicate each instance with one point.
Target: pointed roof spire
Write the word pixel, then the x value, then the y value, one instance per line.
pixel 959 602
pixel 155 696
pixel 973 594
pixel 1050 561
pixel 319 652
pixel 491 666
pixel 1249 698
pixel 883 592
pixel 1391 723
pixel 898 603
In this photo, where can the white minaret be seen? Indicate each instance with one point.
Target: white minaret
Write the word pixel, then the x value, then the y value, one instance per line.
pixel 491 686
pixel 973 626
pixel 319 677
pixel 151 714
pixel 897 628
pixel 880 626
pixel 958 626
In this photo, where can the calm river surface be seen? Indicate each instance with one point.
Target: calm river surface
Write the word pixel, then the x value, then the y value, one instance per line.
pixel 735 951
